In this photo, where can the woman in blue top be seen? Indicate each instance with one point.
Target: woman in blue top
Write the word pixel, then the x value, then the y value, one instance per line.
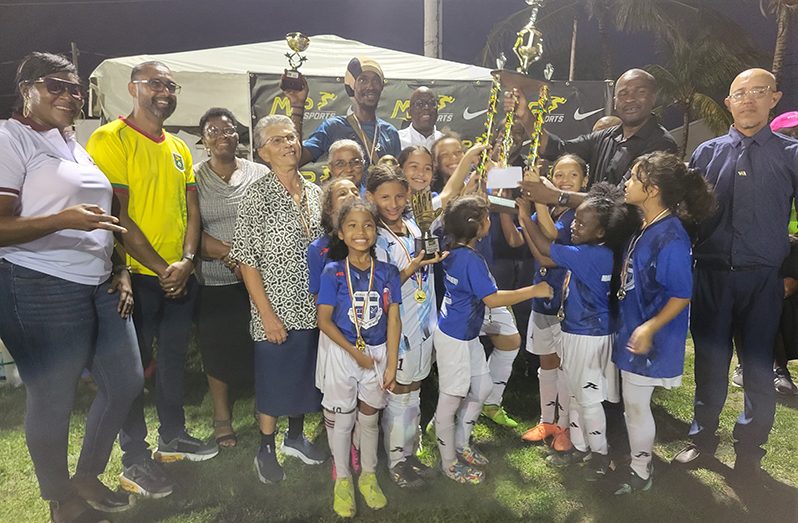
pixel 656 286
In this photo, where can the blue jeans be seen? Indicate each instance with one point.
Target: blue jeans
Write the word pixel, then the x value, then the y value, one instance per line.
pixel 54 329
pixel 168 321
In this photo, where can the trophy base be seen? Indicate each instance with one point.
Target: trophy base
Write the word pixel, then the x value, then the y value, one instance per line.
pixel 430 245
pixel 503 205
pixel 291 80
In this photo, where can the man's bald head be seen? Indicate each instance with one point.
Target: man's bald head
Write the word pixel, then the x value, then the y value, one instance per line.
pixel 755 75
pixel 423 110
pixel 751 97
pixel 639 74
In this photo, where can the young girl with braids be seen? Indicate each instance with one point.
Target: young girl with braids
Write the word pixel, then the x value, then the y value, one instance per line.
pixel 656 287
pixel 601 226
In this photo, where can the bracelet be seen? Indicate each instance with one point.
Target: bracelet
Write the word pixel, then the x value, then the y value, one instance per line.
pixel 119 268
pixel 229 262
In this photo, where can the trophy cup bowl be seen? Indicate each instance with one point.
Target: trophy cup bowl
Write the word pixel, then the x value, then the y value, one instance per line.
pixel 292 78
pixel 297 41
pixel 421 204
pixel 531 50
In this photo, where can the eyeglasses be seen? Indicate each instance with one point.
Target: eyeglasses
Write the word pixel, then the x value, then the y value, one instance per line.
pixel 352 164
pixel 425 104
pixel 280 140
pixel 227 132
pixel 57 86
pixel 159 85
pixel 756 93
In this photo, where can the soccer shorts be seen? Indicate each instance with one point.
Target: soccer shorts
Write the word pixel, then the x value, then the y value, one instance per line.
pixel 346 382
pixel 498 321
pixel 415 364
pixel 544 335
pixel 591 374
pixel 458 361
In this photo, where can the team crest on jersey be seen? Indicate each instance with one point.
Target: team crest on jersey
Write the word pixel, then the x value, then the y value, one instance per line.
pixel 179 162
pixel 368 308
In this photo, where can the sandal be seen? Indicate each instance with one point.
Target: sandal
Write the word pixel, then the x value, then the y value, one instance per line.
pixel 228 439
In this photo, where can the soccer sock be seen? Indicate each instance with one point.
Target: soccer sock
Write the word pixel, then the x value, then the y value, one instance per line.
pixel 329 424
pixel 394 426
pixel 414 423
pixel 547 378
pixel 369 440
pixel 595 427
pixel 576 432
pixel 342 440
pixel 469 410
pixel 563 401
pixel 640 426
pixel 500 364
pixel 295 426
pixel 444 427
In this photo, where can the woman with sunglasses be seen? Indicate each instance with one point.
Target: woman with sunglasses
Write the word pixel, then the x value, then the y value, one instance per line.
pixel 223 305
pixel 61 309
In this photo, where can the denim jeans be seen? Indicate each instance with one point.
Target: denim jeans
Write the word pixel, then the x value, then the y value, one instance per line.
pixel 54 329
pixel 168 321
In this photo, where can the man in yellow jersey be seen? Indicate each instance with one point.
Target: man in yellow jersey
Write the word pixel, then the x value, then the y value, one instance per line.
pixel 151 172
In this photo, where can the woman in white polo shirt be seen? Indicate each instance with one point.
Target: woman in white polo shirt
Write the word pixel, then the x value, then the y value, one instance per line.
pixel 61 310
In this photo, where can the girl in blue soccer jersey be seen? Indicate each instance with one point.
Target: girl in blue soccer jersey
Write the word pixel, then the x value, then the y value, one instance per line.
pixel 358 310
pixel 464 378
pixel 656 287
pixel 387 189
pixel 601 225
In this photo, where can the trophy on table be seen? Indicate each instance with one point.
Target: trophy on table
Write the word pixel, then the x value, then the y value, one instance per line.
pixel 292 78
pixel 421 204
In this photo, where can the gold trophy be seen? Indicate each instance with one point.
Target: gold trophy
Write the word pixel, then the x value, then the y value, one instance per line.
pixel 421 203
pixel 528 45
pixel 292 78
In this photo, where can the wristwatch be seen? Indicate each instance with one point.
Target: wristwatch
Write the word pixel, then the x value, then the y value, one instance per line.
pixel 563 198
pixel 189 257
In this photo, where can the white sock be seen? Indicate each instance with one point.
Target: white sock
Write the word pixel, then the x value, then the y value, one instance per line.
pixel 470 408
pixel 329 424
pixel 369 440
pixel 397 427
pixel 563 401
pixel 640 426
pixel 444 427
pixel 547 378
pixel 342 440
pixel 500 364
pixel 595 427
pixel 577 431
pixel 414 417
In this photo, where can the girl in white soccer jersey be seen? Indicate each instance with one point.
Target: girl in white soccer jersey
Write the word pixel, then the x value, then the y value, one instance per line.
pixel 464 377
pixel 656 287
pixel 358 309
pixel 387 189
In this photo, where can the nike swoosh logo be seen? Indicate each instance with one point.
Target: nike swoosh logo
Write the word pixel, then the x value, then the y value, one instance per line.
pixel 468 115
pixel 581 116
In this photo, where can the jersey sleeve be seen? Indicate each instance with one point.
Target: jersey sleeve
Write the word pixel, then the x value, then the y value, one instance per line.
pixel 328 286
pixel 479 278
pixel 107 151
pixel 675 271
pixel 318 143
pixel 12 165
pixel 583 264
pixel 563 226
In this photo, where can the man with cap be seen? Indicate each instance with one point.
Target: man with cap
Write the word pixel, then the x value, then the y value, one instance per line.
pixel 363 82
pixel 786 123
pixel 423 113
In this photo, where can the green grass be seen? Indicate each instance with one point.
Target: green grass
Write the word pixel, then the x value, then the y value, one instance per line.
pixel 520 486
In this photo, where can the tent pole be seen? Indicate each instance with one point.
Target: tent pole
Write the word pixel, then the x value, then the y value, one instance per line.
pixel 433 27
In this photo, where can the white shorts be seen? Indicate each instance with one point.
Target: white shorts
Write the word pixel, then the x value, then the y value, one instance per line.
pixel 415 364
pixel 591 374
pixel 645 381
pixel 458 361
pixel 544 335
pixel 346 382
pixel 498 321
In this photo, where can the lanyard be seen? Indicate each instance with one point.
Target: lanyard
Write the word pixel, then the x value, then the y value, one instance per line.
pixel 420 296
pixel 362 135
pixel 628 259
pixel 360 343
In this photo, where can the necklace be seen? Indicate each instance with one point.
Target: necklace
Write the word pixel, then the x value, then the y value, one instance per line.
pixel 362 135
pixel 360 343
pixel 302 206
pixel 420 296
pixel 631 249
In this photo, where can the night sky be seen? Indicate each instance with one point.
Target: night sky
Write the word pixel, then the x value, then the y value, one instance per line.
pixel 109 28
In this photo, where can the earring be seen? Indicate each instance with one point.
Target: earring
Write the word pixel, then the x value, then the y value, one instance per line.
pixel 26 106
pixel 208 151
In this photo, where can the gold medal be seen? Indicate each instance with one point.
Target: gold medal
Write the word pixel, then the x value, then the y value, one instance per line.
pixel 420 296
pixel 561 314
pixel 621 293
pixel 360 344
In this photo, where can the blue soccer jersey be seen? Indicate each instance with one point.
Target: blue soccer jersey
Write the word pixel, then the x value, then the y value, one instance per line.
pixel 371 307
pixel 554 276
pixel 467 282
pixel 418 318
pixel 318 255
pixel 587 298
pixel 659 268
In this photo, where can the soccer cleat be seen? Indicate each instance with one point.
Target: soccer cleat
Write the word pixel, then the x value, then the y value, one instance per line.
pixel 463 473
pixel 564 459
pixel 267 466
pixel 634 483
pixel 782 382
pixel 371 491
pixel 497 414
pixel 562 440
pixel 146 479
pixel 737 377
pixel 687 455
pixel 598 468
pixel 540 432
pixel 472 456
pixel 405 476
pixel 344 498
pixel 301 448
pixel 100 497
pixel 420 468
pixel 185 447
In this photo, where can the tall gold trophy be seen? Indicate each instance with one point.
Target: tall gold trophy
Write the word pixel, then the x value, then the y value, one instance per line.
pixel 528 45
pixel 292 78
pixel 421 204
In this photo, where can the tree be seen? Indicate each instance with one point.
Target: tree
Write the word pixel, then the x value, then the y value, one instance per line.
pixel 784 10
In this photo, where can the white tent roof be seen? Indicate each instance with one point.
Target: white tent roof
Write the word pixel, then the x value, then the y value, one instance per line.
pixel 219 77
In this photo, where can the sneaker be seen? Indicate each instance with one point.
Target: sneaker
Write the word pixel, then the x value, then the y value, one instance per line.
pixel 497 414
pixel 301 448
pixel 266 465
pixel 562 440
pixel 371 491
pixel 344 498
pixel 634 483
pixel 185 447
pixel 540 432
pixel 100 497
pixel 463 473
pixel 354 459
pixel 737 377
pixel 564 459
pixel 404 476
pixel 687 455
pixel 420 468
pixel 75 509
pixel 782 381
pixel 598 468
pixel 472 456
pixel 146 479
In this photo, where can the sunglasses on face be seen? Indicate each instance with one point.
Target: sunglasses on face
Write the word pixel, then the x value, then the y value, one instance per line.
pixel 159 85
pixel 57 86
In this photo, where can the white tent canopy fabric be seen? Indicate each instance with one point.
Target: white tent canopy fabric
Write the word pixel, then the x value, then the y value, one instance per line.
pixel 220 76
